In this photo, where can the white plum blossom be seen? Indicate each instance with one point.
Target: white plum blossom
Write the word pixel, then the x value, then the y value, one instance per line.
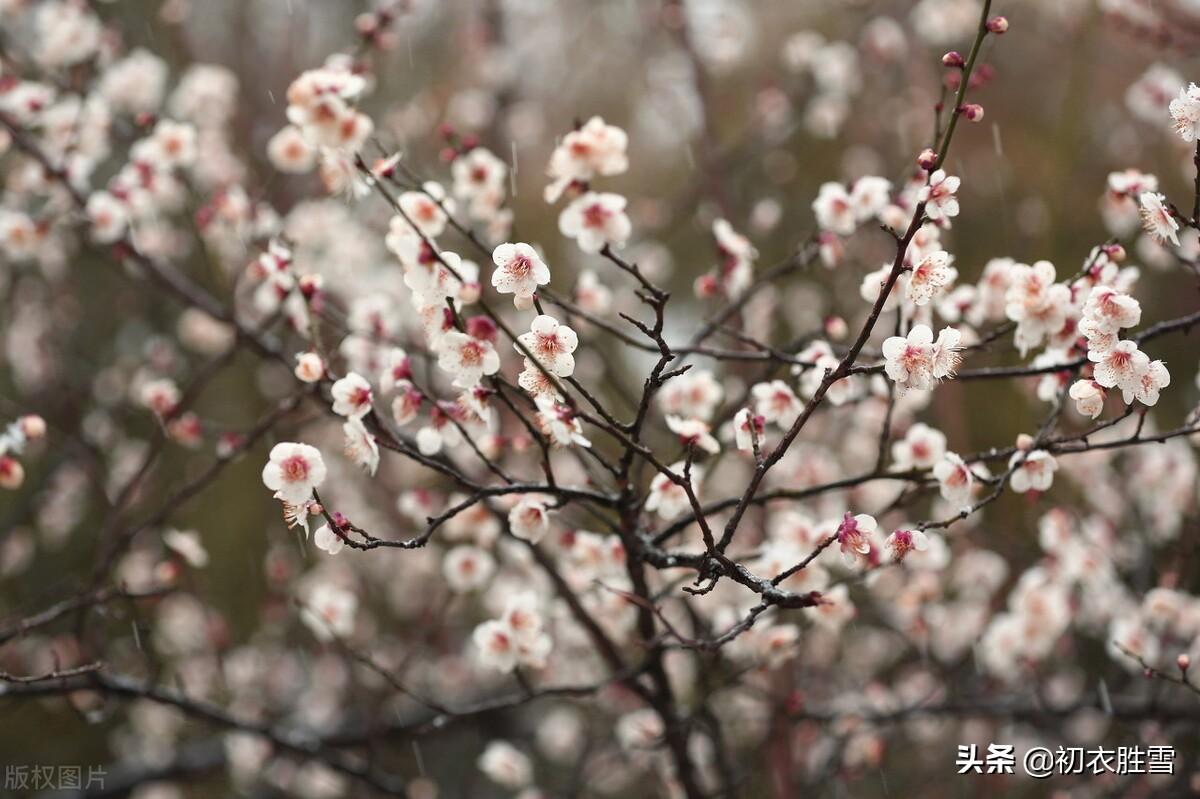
pixel 869 196
pixel 595 221
pixel 293 471
pixel 519 271
pixel 468 358
pixel 834 209
pixel 467 568
pixel 1147 385
pixel 916 362
pixel 939 196
pixel 1185 113
pixel 552 344
pixel 928 277
pixel 693 432
pixel 1157 219
pixel 668 498
pixel 326 540
pixel 529 519
pixel 559 422
pixel 1034 471
pixel 594 149
pixel 426 209
pixel 748 427
pixel 1112 309
pixel 1088 396
pixel 921 447
pixel 360 445
pixel 328 611
pixel 776 403
pixel 1119 367
pixel 506 765
pixel 352 396
pixel 108 216
pixel 955 480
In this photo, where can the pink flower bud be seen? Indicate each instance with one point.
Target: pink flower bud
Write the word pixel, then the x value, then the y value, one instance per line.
pixel 481 327
pixel 927 160
pixel 33 426
pixel 309 367
pixel 1024 442
pixel 998 25
pixel 953 59
pixel 1115 252
pixel 1183 661
pixel 706 286
pixel 12 474
pixel 836 328
pixel 972 111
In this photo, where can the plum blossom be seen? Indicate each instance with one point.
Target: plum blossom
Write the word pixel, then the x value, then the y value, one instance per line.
pixel 834 209
pixel 559 422
pixel 426 209
pixel 529 519
pixel 1185 113
pixel 1147 384
pixel 869 196
pixel 1088 396
pixel 594 149
pixel 595 221
pixel 309 367
pixel 1157 218
pixel 352 396
pixel 939 196
pixel 519 271
pixel 506 765
pixel 552 344
pixel 468 358
pixel 854 536
pixel 748 427
pixel 1112 309
pixel 326 540
pixel 668 498
pixel 921 447
pixel 776 403
pixel 328 611
pixel 916 362
pixel 955 480
pixel 1119 367
pixel 694 394
pixel 929 276
pixel 293 471
pixel 693 432
pixel 467 568
pixel 360 445
pixel 108 216
pixel 901 542
pixel 1034 471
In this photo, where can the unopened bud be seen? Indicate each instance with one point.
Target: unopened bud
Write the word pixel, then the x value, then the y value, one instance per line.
pixel 972 111
pixel 309 367
pixel 1115 252
pixel 1024 442
pixel 12 474
pixel 836 328
pixel 927 160
pixel 998 25
pixel 33 426
pixel 706 286
pixel 953 59
pixel 1183 661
